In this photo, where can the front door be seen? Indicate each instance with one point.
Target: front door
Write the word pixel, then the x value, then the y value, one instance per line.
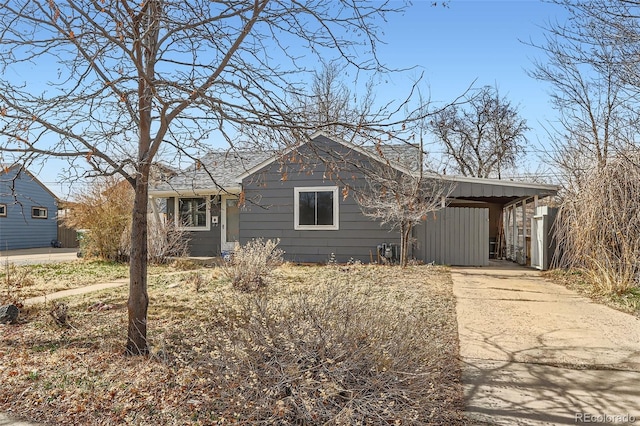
pixel 230 223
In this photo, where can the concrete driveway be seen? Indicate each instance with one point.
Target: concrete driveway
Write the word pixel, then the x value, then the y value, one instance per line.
pixel 38 255
pixel 537 353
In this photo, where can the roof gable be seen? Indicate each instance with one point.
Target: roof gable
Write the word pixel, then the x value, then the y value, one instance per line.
pixel 18 168
pixel 404 158
pixel 397 156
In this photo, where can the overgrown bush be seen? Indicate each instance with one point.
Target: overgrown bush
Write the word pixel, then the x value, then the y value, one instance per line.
pixel 251 264
pixel 343 348
pixel 164 242
pixel 103 208
pixel 598 226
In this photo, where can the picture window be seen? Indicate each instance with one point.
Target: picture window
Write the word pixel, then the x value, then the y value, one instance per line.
pixel 316 208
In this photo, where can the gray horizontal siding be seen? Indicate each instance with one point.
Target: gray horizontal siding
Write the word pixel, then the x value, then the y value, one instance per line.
pixel 201 243
pixel 18 230
pixel 268 212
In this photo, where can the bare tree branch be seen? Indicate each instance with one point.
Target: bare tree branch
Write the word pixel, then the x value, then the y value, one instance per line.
pixel 130 83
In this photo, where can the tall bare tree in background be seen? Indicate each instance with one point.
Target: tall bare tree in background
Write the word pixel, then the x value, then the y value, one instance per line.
pixel 331 106
pixel 483 136
pixel 592 88
pixel 131 82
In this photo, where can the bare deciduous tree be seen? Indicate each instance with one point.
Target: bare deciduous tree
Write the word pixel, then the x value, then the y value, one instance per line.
pixel 589 86
pixel 483 136
pixel 401 198
pixel 131 81
pixel 331 106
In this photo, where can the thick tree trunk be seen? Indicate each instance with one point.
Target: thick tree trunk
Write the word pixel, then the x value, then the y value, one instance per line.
pixel 138 297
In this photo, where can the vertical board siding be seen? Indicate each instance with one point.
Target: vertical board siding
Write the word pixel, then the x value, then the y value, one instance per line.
pixel 455 236
pixel 68 236
pixel 18 230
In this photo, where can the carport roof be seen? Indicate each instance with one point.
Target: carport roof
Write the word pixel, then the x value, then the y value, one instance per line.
pixel 497 190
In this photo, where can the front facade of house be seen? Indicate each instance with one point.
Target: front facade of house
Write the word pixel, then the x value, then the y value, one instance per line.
pixel 308 201
pixel 27 211
pixel 306 198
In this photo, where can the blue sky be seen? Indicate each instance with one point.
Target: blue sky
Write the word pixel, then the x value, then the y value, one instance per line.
pixel 453 46
pixel 475 40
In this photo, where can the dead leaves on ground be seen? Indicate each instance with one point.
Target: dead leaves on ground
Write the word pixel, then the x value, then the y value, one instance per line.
pixel 222 356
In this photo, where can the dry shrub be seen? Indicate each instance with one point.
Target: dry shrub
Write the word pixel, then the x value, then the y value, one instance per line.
pixel 60 314
pixel 251 264
pixel 598 227
pixel 196 280
pixel 165 242
pixel 344 349
pixel 103 208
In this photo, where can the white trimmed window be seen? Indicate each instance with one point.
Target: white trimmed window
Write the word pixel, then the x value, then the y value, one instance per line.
pixel 192 213
pixel 38 212
pixel 3 210
pixel 316 208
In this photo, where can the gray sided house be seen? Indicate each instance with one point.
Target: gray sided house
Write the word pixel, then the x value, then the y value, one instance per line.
pixel 306 198
pixel 27 211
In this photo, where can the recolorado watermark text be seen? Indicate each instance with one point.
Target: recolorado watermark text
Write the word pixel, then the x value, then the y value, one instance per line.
pixel 604 418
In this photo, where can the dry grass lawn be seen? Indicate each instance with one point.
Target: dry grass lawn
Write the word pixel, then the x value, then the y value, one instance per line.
pixel 26 281
pixel 354 344
pixel 580 281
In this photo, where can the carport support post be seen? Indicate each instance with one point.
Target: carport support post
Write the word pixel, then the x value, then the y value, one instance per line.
pixel 507 233
pixel 514 221
pixel 505 230
pixel 524 232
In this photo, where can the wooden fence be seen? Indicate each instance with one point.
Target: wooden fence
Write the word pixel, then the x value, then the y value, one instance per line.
pixel 67 236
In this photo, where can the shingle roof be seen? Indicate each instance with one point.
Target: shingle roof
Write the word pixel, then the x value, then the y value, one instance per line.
pixel 405 155
pixel 215 170
pixel 223 169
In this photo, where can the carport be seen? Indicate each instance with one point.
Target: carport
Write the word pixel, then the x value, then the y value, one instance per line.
pixel 488 219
